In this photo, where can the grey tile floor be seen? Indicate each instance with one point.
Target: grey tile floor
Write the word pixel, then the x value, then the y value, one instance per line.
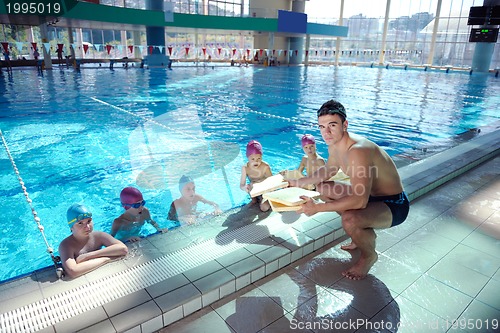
pixel 437 272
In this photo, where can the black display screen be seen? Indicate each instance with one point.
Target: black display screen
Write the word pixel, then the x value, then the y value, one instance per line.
pixel 483 35
pixel 478 15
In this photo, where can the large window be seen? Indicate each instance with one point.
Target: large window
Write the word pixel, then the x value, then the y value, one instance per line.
pixel 225 8
pixel 210 7
pixel 411 24
pixel 452 39
pixel 223 47
pixel 188 6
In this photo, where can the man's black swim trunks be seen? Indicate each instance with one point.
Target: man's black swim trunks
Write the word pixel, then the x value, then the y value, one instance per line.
pixel 397 203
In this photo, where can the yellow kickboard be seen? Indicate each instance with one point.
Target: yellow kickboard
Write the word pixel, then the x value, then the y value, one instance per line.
pixel 290 196
pixel 267 185
pixel 277 207
pixel 341 176
pixel 294 175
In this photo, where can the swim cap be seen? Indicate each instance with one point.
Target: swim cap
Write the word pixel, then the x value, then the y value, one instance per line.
pixel 76 213
pixel 254 147
pixel 130 195
pixel 183 181
pixel 307 139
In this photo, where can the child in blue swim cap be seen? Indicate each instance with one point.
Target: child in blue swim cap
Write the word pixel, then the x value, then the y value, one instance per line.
pixel 85 249
pixel 127 226
pixel 184 208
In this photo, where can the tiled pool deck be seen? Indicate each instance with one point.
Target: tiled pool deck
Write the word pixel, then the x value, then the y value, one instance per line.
pixel 168 277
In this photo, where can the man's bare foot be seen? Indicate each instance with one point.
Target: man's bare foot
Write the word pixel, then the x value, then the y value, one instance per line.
pixel 361 268
pixel 349 247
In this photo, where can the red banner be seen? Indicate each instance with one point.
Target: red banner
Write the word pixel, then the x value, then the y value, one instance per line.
pixel 307 53
pixel 33 45
pixel 248 52
pixel 170 50
pixel 260 52
pixel 234 52
pixel 60 46
pixel 204 49
pixel 187 50
pixel 219 49
pixel 5 46
pixel 131 48
pixel 285 52
pixel 150 49
pixel 274 51
pixel 108 48
pixel 296 52
pixel 85 48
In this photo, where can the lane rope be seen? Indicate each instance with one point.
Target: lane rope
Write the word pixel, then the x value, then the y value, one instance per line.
pixel 50 250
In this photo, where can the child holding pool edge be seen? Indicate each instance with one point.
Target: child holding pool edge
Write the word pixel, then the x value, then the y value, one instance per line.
pixel 85 249
pixel 128 225
pixel 184 208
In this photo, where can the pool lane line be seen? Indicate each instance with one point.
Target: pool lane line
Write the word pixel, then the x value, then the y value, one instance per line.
pixel 289 119
pixel 146 119
pixel 41 228
pixel 274 97
pixel 204 142
pixel 357 89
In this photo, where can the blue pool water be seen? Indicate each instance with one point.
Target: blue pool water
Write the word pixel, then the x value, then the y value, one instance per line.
pixel 82 137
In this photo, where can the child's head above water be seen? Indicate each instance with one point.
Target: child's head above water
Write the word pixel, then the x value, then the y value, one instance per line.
pixel 186 186
pixel 76 213
pixel 254 153
pixel 131 197
pixel 307 139
pixel 308 144
pixel 254 148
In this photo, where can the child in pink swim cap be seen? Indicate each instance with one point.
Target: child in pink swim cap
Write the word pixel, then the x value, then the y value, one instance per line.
pixel 311 161
pixel 127 226
pixel 256 170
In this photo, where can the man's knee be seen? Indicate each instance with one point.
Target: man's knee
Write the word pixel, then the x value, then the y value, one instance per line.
pixel 350 220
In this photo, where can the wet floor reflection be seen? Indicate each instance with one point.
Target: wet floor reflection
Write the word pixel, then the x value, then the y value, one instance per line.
pixel 315 297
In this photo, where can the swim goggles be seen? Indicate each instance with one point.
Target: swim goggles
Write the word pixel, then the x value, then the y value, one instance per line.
pixel 135 205
pixel 80 217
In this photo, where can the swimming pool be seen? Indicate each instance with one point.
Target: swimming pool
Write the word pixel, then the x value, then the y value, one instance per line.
pixel 82 137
